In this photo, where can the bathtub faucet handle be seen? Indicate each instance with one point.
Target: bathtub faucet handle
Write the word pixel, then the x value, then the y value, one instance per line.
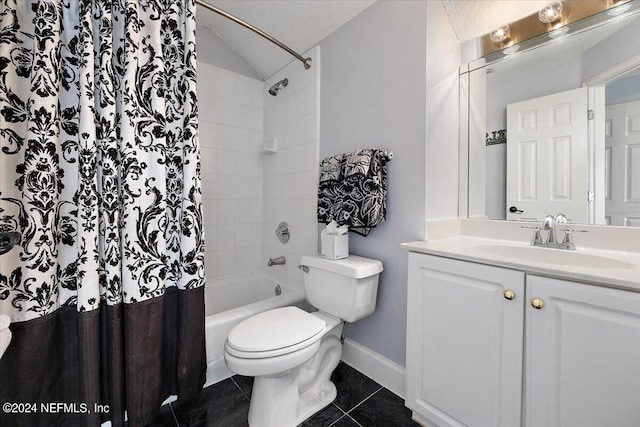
pixel 304 268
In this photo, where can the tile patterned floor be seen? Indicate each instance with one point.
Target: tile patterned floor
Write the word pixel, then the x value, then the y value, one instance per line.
pixel 360 402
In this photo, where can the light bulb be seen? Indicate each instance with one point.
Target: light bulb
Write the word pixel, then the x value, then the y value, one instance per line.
pixel 550 13
pixel 500 34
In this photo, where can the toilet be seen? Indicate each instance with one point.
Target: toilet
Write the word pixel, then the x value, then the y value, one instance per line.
pixel 292 353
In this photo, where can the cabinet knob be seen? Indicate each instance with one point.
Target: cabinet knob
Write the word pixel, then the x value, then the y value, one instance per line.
pixel 509 294
pixel 537 303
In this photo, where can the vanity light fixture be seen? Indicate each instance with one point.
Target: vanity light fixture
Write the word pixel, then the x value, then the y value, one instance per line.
pixel 550 13
pixel 559 32
pixel 511 49
pixel 500 34
pixel 619 10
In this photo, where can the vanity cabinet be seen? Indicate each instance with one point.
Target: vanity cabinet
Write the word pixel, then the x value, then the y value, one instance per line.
pixel 464 343
pixel 490 346
pixel 582 352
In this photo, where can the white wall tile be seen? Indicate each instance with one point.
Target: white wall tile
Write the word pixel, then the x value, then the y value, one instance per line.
pixel 227 83
pixel 208 159
pixel 228 112
pixel 244 214
pixel 226 237
pixel 210 266
pixel 207 134
pixel 256 233
pixel 247 193
pixel 244 118
pixel 208 186
pixel 225 162
pixel 224 187
pixel 225 262
pixel 225 212
pixel 231 129
pixel 208 215
pixel 244 260
pixel 210 238
pixel 244 91
pixel 257 120
pixel 244 235
pixel 228 137
pixel 257 93
pixel 248 164
pixel 306 101
pixel 291 174
pixel 207 107
pixel 258 261
pixel 306 129
pixel 207 81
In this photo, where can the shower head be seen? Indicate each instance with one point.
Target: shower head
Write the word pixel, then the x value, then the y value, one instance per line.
pixel 276 87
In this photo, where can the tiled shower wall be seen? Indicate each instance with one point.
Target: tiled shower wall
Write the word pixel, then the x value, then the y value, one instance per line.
pixel 291 174
pixel 247 193
pixel 230 117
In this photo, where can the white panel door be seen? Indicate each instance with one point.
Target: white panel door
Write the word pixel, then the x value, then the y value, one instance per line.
pixel 547 157
pixel 464 343
pixel 583 355
pixel 622 164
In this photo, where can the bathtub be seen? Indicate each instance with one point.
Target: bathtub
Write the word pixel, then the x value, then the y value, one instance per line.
pixel 229 302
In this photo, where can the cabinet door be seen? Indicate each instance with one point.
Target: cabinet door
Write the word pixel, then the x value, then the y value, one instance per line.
pixel 464 343
pixel 583 355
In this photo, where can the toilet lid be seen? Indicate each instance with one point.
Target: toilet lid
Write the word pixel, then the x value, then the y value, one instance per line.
pixel 275 329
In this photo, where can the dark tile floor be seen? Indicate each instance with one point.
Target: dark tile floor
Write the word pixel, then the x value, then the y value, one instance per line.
pixel 360 402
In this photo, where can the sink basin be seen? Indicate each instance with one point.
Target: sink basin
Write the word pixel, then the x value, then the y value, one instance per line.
pixel 555 256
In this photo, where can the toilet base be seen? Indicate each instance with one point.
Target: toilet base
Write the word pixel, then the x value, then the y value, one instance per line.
pixel 316 402
pixel 275 402
pixel 289 398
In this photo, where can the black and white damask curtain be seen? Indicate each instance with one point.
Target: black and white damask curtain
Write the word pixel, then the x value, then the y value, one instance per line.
pixel 99 172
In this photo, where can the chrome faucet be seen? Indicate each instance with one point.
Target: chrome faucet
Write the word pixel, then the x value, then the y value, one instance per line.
pixel 276 261
pixel 550 224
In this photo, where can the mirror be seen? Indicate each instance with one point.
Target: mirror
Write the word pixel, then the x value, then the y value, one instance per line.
pixel 555 127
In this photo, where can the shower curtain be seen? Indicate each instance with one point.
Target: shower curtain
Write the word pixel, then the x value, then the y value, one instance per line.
pixel 100 173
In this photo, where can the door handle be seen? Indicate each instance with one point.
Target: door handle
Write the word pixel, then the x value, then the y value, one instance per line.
pixel 515 210
pixel 8 240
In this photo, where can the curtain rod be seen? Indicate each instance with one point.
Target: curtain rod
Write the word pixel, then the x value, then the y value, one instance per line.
pixel 305 61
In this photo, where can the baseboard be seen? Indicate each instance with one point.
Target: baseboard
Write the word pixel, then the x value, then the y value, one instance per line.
pixel 377 367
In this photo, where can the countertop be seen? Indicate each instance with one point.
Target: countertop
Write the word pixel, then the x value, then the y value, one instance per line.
pixel 468 248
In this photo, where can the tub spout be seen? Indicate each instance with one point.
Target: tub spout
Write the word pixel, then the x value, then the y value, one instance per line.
pixel 276 261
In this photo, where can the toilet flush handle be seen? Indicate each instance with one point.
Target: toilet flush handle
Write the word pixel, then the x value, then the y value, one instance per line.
pixel 304 268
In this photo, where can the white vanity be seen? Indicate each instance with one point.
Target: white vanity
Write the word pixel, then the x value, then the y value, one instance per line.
pixel 500 333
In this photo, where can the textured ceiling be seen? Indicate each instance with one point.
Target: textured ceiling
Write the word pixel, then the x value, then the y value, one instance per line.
pixel 298 24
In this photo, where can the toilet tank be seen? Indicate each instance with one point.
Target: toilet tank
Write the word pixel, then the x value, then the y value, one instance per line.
pixel 345 288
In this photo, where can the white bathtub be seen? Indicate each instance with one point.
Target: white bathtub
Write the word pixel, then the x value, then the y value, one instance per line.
pixel 229 302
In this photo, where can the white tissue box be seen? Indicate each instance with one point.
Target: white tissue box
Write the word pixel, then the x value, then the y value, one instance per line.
pixel 334 246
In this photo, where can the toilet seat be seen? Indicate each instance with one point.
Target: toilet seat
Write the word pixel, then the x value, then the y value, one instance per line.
pixel 275 333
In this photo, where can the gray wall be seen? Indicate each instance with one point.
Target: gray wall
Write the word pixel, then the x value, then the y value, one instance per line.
pixel 626 89
pixel 212 50
pixel 613 50
pixel 373 95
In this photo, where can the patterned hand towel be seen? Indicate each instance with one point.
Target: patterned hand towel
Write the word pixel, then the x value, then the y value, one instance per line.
pixel 331 169
pixel 359 198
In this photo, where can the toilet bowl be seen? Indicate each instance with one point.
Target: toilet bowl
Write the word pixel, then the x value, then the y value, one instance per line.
pixel 292 353
pixel 5 333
